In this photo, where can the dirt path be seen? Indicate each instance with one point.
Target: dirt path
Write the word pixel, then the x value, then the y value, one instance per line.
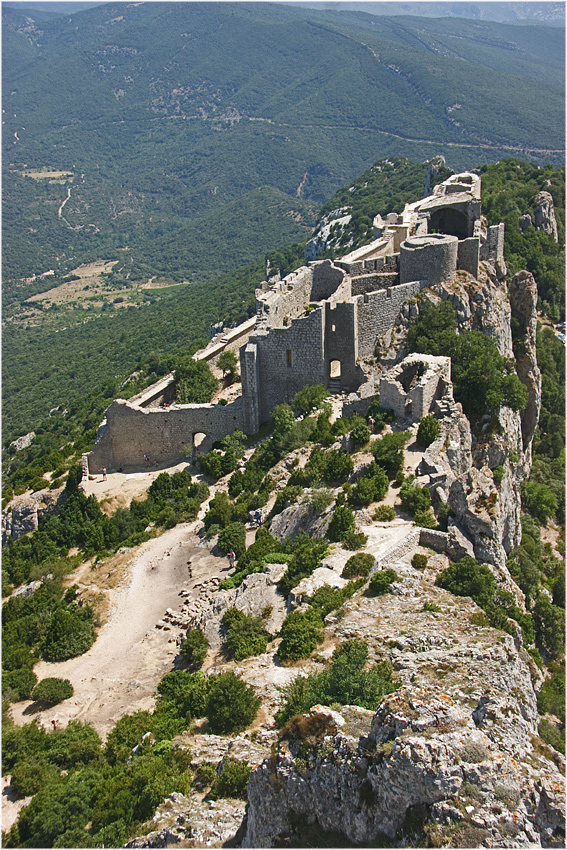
pixel 120 672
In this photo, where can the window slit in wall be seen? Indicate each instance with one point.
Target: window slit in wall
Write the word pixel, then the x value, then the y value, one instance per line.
pixel 289 357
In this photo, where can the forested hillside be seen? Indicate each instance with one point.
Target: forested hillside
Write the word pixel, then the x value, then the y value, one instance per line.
pixel 158 118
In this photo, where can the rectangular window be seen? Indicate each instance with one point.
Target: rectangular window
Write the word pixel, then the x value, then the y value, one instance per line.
pixel 333 328
pixel 289 357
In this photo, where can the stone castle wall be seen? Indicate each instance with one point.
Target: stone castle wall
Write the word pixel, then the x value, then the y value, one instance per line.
pixel 166 436
pixel 377 313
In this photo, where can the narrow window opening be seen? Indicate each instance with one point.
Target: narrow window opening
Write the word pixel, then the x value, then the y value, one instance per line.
pixel 289 357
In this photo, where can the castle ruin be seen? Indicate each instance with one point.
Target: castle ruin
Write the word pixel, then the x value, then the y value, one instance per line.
pixel 318 325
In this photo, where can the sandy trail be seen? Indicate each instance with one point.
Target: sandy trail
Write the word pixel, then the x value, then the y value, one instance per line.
pixel 120 672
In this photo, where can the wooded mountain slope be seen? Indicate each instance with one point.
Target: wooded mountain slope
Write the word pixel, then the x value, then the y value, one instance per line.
pixel 165 114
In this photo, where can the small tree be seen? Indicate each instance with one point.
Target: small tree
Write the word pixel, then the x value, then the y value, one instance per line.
pixel 309 398
pixel 52 691
pixel 342 523
pixel 232 704
pixel 360 433
pixel 233 536
pixel 358 565
pixel 227 362
pixel 380 582
pixel 194 382
pixel 300 633
pixel 194 647
pixel 428 431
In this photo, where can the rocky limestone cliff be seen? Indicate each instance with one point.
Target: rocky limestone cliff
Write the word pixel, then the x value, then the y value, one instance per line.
pixel 545 214
pixel 452 754
pixel 488 514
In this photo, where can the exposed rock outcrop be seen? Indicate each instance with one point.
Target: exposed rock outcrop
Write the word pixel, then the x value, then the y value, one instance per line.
pixel 451 752
pixel 545 214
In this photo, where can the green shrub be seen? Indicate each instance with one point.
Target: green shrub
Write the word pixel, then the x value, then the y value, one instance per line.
pixel 388 452
pixel 338 466
pixel 363 493
pixel 52 691
pixel 309 398
pixel 245 635
pixel 194 647
pixel 306 557
pixel 384 513
pixel 232 780
pixel 381 581
pixel 428 431
pixel 341 523
pixel 539 501
pixel 419 561
pixel 67 636
pixel 327 598
pixel 425 519
pixel 358 565
pixel 354 540
pixel 301 632
pixel 194 382
pixel 360 433
pixel 184 695
pixel 18 684
pixel 498 475
pixel 31 774
pixel 232 704
pixel 227 362
pixel 233 536
pixel 79 743
pixel 414 498
pixel 345 681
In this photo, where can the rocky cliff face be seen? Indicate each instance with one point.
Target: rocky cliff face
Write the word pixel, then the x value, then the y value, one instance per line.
pixel 453 754
pixel 461 463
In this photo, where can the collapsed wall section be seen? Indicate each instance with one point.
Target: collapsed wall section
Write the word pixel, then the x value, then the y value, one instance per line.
pixel 411 387
pixel 166 436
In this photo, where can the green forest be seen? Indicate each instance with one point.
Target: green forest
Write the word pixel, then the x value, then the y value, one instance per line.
pixel 194 138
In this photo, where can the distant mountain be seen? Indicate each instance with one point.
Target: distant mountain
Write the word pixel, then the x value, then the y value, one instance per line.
pixel 550 14
pixel 158 119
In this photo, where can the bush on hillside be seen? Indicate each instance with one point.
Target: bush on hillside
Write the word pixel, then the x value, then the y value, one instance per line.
pixel 358 565
pixel 232 781
pixel 360 433
pixel 301 632
pixel 194 382
pixel 380 582
pixel 309 398
pixel 69 634
pixel 194 648
pixel 52 691
pixel 245 634
pixel 341 523
pixel 388 452
pixel 18 684
pixel 232 705
pixel 233 536
pixel 384 513
pixel 428 431
pixel 345 681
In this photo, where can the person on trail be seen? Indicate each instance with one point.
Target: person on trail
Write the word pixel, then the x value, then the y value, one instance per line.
pixel 371 424
pixel 258 517
pixel 231 559
pixel 104 474
pixel 55 725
